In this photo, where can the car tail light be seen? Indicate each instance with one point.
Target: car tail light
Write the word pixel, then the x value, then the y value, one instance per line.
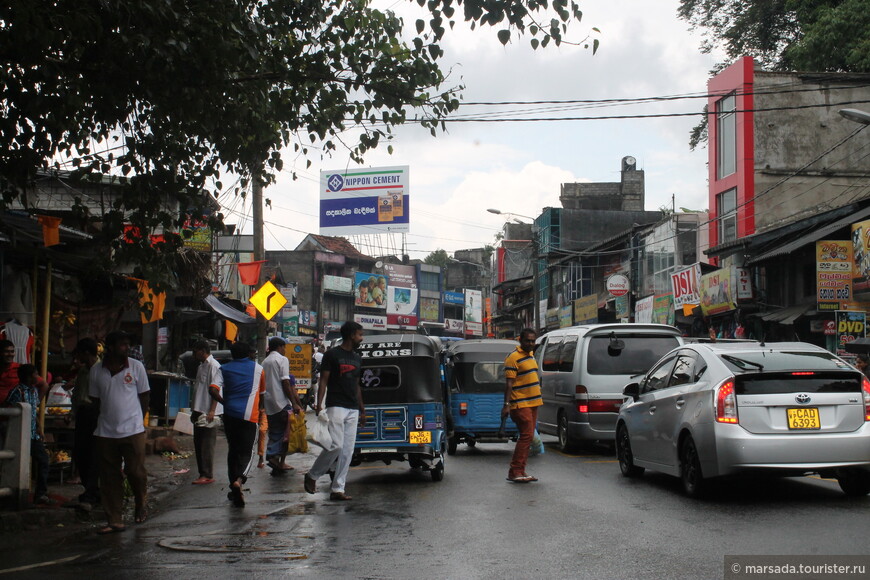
pixel 463 408
pixel 865 386
pixel 726 403
pixel 580 390
pixel 803 374
pixel 582 406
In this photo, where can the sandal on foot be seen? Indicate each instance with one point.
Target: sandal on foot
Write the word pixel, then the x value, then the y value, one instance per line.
pixel 339 496
pixel 141 515
pixel 111 530
pixel 310 484
pixel 520 479
pixel 238 497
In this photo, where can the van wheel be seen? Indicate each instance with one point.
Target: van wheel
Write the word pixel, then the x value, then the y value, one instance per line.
pixel 690 470
pixel 854 482
pixel 624 455
pixel 452 442
pixel 566 444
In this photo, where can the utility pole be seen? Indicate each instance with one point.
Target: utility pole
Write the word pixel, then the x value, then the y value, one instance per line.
pixel 259 254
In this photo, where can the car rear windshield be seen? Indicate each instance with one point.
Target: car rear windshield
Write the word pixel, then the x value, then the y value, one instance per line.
pixel 771 360
pixel 639 354
pixel 786 382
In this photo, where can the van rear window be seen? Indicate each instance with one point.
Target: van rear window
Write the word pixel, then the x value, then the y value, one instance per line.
pixel 638 356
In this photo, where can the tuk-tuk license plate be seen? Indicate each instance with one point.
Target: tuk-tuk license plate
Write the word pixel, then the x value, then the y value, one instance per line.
pixel 803 418
pixel 376 450
pixel 420 437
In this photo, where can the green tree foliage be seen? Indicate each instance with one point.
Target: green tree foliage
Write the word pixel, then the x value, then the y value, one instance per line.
pixel 171 96
pixel 800 35
pixel 437 258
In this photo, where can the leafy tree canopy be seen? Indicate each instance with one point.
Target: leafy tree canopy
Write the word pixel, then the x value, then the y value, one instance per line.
pixel 171 96
pixel 437 258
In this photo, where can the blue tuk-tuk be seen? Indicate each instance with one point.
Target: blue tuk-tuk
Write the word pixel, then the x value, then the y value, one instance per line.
pixel 404 397
pixel 476 383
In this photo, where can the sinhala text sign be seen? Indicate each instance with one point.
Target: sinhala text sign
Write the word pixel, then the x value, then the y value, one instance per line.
pixel 364 201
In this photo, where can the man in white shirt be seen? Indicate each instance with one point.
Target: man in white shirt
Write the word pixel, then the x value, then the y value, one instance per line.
pixel 204 411
pixel 281 399
pixel 119 385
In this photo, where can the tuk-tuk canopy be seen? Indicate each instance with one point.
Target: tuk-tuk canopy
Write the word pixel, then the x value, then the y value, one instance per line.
pixel 397 345
pixel 400 369
pixel 487 349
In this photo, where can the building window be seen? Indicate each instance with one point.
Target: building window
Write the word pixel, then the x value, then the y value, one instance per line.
pixel 726 205
pixel 726 136
pixel 429 281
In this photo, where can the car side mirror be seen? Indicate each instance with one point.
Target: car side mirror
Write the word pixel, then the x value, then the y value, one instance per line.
pixel 632 390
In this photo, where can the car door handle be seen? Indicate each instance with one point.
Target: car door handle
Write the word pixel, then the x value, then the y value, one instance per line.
pixel 652 410
pixel 680 403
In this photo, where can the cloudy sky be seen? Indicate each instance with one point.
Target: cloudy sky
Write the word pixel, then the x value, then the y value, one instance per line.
pixel 518 167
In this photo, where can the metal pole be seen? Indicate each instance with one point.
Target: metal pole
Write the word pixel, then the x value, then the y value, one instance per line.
pixel 46 319
pixel 259 254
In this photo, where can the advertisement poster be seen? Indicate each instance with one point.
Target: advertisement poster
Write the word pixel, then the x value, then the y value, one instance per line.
pixel 364 201
pixel 586 310
pixel 402 295
pixel 371 321
pixel 663 309
pixel 850 326
pixel 833 274
pixel 643 310
pixel 370 290
pixel 717 292
pixel 474 312
pixel 429 309
pixel 621 303
pixel 566 316
pixel 455 326
pixel 299 356
pixel 685 286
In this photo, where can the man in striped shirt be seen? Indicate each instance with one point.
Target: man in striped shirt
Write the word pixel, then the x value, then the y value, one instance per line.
pixel 522 398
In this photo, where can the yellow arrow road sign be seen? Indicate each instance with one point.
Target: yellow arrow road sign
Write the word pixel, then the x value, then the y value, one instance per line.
pixel 268 300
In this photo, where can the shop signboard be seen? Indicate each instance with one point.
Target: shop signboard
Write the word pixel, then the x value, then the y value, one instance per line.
pixel 364 201
pixel 833 274
pixel 586 310
pixel 552 318
pixel 643 310
pixel 618 285
pixel 453 325
pixel 338 284
pixel 474 312
pixel 308 318
pixel 685 286
pixel 850 326
pixel 371 321
pixel 663 309
pixel 402 295
pixel 861 257
pixel 621 303
pixel 566 316
pixel 429 309
pixel 743 284
pixel 299 356
pixel 290 326
pixel 370 290
pixel 717 292
pixel 457 298
pixel 197 235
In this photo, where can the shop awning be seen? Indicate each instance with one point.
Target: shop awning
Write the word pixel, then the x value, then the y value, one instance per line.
pixel 228 312
pixel 813 236
pixel 785 315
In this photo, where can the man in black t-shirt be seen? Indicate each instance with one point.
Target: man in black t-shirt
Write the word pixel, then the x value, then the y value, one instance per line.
pixel 339 384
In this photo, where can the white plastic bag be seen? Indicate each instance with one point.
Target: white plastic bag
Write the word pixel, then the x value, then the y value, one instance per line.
pixel 58 396
pixel 318 432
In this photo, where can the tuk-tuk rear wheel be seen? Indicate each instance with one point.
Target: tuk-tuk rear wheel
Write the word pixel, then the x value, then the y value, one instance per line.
pixel 438 472
pixel 452 443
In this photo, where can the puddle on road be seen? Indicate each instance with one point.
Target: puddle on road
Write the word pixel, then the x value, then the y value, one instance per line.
pixel 224 543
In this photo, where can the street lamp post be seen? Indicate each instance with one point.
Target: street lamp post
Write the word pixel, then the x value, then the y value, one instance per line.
pixel 856 115
pixel 536 314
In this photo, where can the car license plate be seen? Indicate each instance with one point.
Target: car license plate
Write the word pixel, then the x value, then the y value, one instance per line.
pixel 421 437
pixel 803 418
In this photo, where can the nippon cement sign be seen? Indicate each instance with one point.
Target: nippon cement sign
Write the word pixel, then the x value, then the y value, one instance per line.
pixel 364 201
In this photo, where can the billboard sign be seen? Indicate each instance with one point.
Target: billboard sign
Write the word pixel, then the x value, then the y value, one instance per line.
pixel 717 292
pixel 457 298
pixel 402 295
pixel 586 310
pixel 452 325
pixel 371 321
pixel 370 290
pixel 474 312
pixel 685 286
pixel 663 309
pixel 643 310
pixel 833 274
pixel 364 201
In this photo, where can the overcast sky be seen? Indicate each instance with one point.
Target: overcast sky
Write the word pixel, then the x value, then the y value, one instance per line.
pixel 518 167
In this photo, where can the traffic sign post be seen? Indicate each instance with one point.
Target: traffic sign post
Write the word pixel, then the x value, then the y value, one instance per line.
pixel 268 300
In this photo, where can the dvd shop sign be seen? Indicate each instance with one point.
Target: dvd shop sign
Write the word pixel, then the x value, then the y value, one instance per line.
pixel 685 286
pixel 618 285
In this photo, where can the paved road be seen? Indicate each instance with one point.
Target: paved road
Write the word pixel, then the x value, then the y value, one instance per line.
pixel 582 520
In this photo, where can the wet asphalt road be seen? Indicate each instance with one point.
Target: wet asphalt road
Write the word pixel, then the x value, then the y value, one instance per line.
pixel 581 520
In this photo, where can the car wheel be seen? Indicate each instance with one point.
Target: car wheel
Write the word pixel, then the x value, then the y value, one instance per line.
pixel 690 469
pixel 854 482
pixel 624 455
pixel 566 444
pixel 452 442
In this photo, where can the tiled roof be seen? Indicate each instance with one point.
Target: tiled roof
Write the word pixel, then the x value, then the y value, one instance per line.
pixel 337 245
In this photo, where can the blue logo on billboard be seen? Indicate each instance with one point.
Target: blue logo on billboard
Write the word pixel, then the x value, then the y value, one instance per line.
pixel 335 182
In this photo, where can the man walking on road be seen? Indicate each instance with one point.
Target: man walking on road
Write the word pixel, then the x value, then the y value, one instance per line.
pixel 119 386
pixel 522 398
pixel 281 399
pixel 204 411
pixel 242 398
pixel 340 385
pixel 86 416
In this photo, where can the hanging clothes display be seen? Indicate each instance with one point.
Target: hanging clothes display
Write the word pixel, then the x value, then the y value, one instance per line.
pixel 16 296
pixel 21 337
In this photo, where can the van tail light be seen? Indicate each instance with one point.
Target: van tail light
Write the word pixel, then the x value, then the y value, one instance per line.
pixel 463 408
pixel 583 405
pixel 726 403
pixel 865 387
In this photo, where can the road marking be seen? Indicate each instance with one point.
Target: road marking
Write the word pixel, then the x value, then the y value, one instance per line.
pixel 40 565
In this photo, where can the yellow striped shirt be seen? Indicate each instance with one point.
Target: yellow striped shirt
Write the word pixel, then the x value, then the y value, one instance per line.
pixel 522 367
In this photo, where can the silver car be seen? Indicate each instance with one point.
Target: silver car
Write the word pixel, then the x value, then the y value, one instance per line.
pixel 708 410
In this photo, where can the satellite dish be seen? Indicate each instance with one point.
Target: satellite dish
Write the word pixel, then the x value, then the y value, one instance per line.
pixel 379 264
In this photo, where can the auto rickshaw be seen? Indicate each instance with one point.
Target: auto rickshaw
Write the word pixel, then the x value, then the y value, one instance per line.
pixel 476 383
pixel 404 398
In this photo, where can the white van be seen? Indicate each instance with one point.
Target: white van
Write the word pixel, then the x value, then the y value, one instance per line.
pixel 583 370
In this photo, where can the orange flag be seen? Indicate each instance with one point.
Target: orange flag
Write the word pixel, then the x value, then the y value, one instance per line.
pixel 50 229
